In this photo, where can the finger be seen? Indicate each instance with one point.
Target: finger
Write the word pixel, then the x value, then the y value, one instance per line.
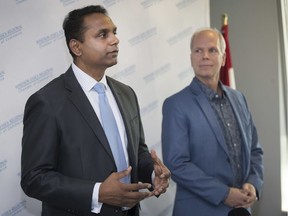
pixel 160 186
pixel 122 174
pixel 131 198
pixel 155 157
pixel 158 165
pixel 246 189
pixel 166 174
pixel 136 196
pixel 160 168
pixel 136 186
pixel 249 188
pixel 158 190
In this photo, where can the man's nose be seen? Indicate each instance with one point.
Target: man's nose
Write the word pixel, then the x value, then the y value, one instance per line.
pixel 205 54
pixel 114 39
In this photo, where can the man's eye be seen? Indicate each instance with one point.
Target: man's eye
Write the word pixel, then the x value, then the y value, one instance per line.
pixel 198 51
pixel 102 34
pixel 213 50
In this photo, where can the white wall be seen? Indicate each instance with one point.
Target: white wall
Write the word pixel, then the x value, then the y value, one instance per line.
pixel 254 43
pixel 154 59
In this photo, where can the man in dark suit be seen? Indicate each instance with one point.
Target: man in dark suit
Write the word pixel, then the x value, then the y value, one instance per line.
pixel 67 161
pixel 209 139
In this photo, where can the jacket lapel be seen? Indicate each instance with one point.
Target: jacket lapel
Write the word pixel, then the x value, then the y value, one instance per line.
pixel 209 113
pixel 81 102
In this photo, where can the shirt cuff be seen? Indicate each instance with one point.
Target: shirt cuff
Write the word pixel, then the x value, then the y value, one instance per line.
pixel 96 205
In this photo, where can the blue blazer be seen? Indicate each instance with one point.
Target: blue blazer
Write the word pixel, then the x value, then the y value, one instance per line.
pixel 195 151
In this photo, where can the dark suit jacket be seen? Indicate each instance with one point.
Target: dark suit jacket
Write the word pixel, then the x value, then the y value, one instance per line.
pixel 65 150
pixel 195 151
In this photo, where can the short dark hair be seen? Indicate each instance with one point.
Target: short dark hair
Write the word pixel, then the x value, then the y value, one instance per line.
pixel 73 24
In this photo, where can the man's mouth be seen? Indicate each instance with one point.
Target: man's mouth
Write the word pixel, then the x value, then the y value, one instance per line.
pixel 115 52
pixel 206 65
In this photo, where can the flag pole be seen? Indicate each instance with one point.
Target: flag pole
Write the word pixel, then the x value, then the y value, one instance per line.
pixel 227 73
pixel 225 19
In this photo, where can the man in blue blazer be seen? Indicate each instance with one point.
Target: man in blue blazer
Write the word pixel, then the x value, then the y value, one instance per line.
pixel 67 161
pixel 209 140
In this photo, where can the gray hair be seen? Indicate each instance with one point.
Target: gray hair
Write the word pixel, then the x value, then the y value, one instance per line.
pixel 222 42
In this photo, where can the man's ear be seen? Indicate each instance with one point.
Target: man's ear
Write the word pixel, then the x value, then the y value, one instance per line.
pixel 223 59
pixel 75 47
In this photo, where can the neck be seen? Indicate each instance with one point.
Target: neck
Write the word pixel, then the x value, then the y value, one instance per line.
pixel 95 73
pixel 211 83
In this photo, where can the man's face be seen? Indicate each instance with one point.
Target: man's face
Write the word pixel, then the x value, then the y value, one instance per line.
pixel 206 56
pixel 99 48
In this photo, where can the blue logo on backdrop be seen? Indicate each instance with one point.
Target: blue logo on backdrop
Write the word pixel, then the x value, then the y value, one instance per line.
pixel 149 108
pixel 68 2
pixel 3 165
pixel 20 1
pixel 143 36
pixel 184 3
pixel 2 75
pixel 28 83
pixel 149 3
pixel 160 71
pixel 125 72
pixel 51 38
pixel 16 209
pixel 10 34
pixel 109 3
pixel 8 125
pixel 180 36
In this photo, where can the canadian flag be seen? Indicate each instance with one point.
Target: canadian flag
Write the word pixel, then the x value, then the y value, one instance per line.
pixel 227 73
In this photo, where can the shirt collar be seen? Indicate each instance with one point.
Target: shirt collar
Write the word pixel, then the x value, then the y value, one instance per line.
pixel 210 93
pixel 87 82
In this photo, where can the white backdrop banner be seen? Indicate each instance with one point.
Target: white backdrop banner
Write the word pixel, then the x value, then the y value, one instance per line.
pixel 154 60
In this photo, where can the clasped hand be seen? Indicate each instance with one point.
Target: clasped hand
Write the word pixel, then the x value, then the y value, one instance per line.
pixel 244 197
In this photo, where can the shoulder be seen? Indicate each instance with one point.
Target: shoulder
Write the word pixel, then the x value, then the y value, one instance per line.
pixel 234 94
pixel 119 87
pixel 118 84
pixel 53 89
pixel 54 92
pixel 59 85
pixel 188 93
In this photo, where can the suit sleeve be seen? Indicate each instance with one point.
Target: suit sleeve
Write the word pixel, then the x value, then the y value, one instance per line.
pixel 40 152
pixel 255 154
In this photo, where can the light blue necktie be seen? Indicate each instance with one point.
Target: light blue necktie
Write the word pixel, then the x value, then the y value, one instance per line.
pixel 111 130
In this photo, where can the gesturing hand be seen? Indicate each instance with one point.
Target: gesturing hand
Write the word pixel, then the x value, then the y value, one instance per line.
pixel 162 175
pixel 114 192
